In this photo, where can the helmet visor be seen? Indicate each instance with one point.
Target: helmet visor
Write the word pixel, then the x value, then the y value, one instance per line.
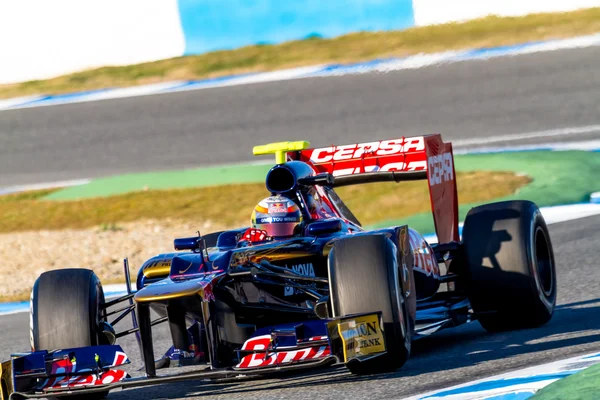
pixel 278 229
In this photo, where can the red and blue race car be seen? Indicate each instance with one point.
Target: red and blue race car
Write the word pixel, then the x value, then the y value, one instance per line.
pixel 241 302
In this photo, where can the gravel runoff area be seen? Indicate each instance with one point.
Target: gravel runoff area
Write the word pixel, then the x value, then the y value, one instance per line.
pixel 28 254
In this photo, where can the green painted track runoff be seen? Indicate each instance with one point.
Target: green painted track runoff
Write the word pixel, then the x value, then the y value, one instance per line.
pixel 198 177
pixel 559 177
pixel 553 172
pixel 584 385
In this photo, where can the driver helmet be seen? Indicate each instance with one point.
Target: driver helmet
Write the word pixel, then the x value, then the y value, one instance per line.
pixel 278 216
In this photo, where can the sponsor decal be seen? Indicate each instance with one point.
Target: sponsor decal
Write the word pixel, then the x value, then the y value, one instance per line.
pixel 110 376
pixel 424 258
pixel 357 151
pixel 277 208
pixel 208 294
pixel 257 343
pixel 393 166
pixel 120 359
pixel 302 269
pixel 150 266
pixel 361 336
pixel 268 220
pixel 68 366
pixel 183 271
pixel 441 168
pixel 160 263
pixel 271 359
pixel 240 258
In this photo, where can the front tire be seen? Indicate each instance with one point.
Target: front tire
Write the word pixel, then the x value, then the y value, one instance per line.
pixel 364 277
pixel 65 310
pixel 510 265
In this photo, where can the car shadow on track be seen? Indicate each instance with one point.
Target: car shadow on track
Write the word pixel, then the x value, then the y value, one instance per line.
pixel 573 326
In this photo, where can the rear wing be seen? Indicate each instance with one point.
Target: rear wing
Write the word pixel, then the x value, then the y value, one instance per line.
pixel 420 157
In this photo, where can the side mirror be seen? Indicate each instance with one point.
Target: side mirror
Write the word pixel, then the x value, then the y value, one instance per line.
pixel 324 227
pixel 189 243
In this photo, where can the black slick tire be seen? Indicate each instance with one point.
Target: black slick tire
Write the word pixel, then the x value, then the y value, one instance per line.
pixel 510 266
pixel 65 313
pixel 65 310
pixel 364 277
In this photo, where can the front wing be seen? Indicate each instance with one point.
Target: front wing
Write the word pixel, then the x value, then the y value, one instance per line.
pixel 95 369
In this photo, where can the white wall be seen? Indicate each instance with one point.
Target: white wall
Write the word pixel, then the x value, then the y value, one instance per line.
pixel 429 12
pixel 45 38
pixel 41 39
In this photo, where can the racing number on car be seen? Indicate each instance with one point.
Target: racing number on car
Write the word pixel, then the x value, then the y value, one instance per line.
pixel 441 168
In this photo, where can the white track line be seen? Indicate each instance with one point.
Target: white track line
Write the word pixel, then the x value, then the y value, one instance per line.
pixel 16 101
pixel 41 186
pixel 581 145
pixel 578 130
pixel 386 65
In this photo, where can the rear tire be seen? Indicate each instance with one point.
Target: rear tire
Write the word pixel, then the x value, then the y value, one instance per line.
pixel 364 277
pixel 65 310
pixel 510 265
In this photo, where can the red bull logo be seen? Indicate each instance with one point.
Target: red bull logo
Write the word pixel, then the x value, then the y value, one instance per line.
pixel 277 208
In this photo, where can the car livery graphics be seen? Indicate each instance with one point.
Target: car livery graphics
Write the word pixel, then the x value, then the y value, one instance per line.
pixel 331 291
pixel 424 257
pixel 361 336
pixel 302 269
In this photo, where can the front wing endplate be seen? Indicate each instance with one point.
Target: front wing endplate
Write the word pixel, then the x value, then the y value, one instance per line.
pixel 356 336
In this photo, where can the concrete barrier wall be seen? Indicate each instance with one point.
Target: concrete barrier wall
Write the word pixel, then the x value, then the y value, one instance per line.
pixel 227 24
pixel 40 39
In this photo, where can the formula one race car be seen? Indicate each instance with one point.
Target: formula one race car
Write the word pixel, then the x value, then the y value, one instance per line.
pixel 254 301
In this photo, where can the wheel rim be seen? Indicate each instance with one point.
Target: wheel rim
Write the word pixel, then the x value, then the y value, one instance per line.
pixel 544 262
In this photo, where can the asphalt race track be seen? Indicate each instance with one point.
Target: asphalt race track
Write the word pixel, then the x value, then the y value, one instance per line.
pixel 450 357
pixel 464 101
pixel 473 99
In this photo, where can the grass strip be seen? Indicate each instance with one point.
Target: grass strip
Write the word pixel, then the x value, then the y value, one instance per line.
pixel 559 177
pixel 485 32
pixel 579 386
pixel 231 205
